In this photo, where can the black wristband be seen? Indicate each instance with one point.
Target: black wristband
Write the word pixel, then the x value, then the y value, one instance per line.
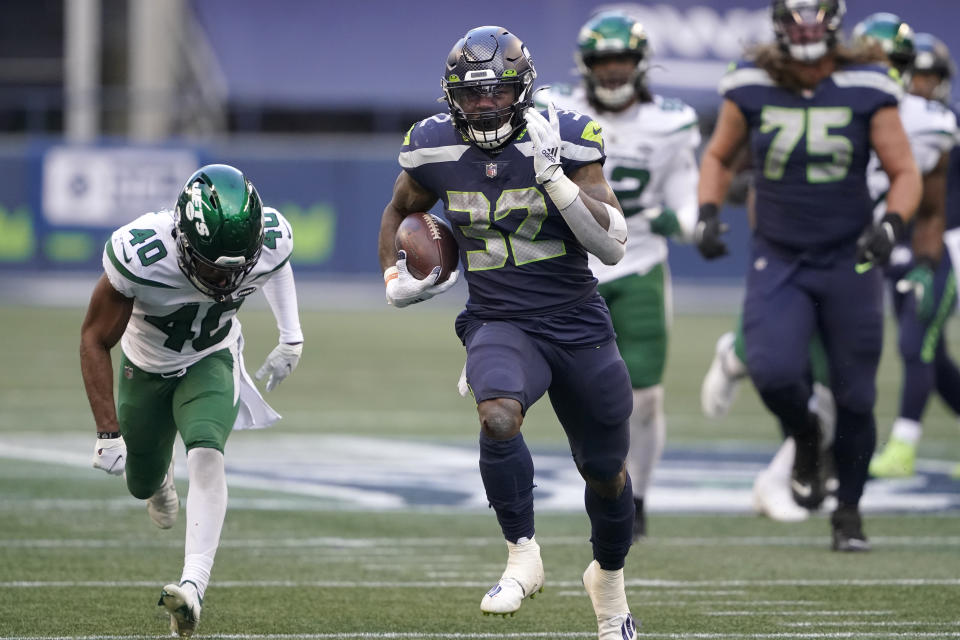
pixel 896 224
pixel 708 211
pixel 107 435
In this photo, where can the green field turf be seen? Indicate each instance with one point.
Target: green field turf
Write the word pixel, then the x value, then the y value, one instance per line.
pixel 78 558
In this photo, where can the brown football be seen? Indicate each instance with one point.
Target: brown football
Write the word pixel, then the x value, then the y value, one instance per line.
pixel 429 243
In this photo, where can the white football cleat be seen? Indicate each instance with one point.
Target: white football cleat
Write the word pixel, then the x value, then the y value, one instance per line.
pixel 164 504
pixel 772 498
pixel 522 578
pixel 606 591
pixel 720 385
pixel 183 603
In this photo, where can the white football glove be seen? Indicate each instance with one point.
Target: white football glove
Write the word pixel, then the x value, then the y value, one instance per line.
pixel 403 289
pixel 110 454
pixel 280 363
pixel 545 135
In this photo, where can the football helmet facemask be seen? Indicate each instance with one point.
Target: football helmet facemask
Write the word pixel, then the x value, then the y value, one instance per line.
pixel 806 30
pixel 219 229
pixel 895 37
pixel 612 35
pixel 488 83
pixel 933 57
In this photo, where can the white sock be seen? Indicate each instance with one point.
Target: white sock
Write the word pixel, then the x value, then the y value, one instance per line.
pixel 782 464
pixel 206 509
pixel 648 429
pixel 906 430
pixel 732 365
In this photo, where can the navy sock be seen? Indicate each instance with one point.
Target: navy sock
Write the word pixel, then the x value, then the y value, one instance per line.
pixel 611 524
pixel 917 384
pixel 948 380
pixel 855 440
pixel 506 468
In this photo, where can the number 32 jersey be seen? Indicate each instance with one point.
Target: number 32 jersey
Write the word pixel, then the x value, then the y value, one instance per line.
pixel 518 255
pixel 811 151
pixel 173 325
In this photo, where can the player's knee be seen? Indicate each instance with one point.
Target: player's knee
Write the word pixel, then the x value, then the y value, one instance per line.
pixel 500 418
pixel 605 485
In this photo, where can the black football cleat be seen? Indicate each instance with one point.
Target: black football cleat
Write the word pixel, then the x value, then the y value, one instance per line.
pixel 806 481
pixel 639 520
pixel 848 530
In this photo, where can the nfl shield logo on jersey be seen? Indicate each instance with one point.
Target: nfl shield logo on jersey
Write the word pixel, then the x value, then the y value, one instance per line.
pixel 128 372
pixel 491 169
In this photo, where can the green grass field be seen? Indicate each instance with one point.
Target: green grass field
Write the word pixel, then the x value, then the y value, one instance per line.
pixel 79 558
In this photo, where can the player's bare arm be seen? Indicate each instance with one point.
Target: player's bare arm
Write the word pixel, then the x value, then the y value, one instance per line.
pixel 408 197
pixel 931 218
pixel 889 141
pixel 106 319
pixel 723 155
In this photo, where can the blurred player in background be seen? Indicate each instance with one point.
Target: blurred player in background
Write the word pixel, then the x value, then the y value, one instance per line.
pixel 811 111
pixel 172 286
pixel 921 273
pixel 650 143
pixel 526 198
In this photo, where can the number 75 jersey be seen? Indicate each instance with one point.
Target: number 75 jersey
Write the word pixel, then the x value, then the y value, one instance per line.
pixel 810 149
pixel 173 325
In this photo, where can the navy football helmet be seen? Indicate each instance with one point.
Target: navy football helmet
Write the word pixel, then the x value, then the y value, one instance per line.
pixel 806 30
pixel 933 57
pixel 488 85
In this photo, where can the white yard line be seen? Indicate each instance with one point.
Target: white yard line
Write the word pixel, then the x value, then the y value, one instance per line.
pixel 470 584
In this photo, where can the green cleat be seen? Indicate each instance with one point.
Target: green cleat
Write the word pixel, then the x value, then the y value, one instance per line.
pixel 897 460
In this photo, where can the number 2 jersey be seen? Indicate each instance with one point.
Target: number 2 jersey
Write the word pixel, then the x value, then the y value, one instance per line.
pixel 651 162
pixel 517 253
pixel 811 151
pixel 173 325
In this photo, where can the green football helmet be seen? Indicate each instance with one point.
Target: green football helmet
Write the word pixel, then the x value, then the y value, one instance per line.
pixel 609 34
pixel 219 228
pixel 893 34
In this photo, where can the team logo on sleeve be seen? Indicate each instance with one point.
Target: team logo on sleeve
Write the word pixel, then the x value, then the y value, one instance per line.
pixel 491 169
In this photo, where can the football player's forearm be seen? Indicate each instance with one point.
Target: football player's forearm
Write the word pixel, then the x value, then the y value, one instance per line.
pixel 96 368
pixel 680 194
pixel 904 195
pixel 930 221
pixel 386 243
pixel 599 226
pixel 715 179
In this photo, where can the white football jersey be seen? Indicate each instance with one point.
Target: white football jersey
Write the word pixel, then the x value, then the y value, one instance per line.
pixel 651 163
pixel 931 129
pixel 173 325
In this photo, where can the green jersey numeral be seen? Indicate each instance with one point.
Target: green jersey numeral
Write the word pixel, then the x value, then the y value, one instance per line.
pixel 150 252
pixel 178 326
pixel 630 197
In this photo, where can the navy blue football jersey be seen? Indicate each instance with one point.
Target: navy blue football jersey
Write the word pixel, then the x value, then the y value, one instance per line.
pixel 811 151
pixel 517 253
pixel 953 185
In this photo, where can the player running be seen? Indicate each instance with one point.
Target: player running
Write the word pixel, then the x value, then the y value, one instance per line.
pixel 525 196
pixel 172 284
pixel 812 111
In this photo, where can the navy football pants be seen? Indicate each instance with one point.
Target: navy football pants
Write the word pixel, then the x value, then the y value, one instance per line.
pixel 788 300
